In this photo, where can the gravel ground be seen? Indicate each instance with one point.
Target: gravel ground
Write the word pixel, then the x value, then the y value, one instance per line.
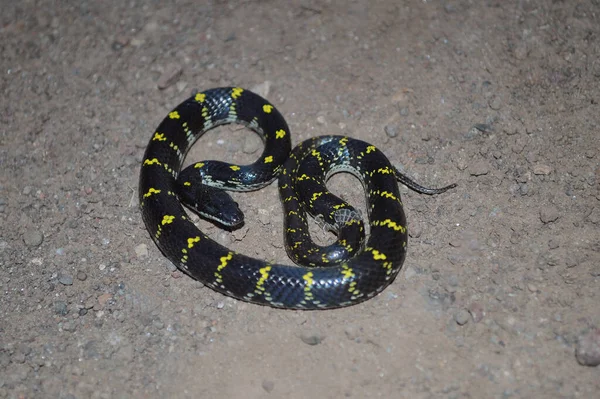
pixel 498 297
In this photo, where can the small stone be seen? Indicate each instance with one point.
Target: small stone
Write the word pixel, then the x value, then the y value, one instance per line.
pixel 542 170
pixel 495 103
pixel 69 326
pixel 251 144
pixel 594 216
pixel 391 130
pixel 263 216
pixel 65 279
pixel 311 339
pixel 170 266
pixel 4 359
pixel 532 288
pixel 553 244
pixel 102 299
pixel 484 127
pixel 33 238
pixel 549 214
pixel 351 333
pixel 224 238
pixel 479 169
pixel 588 348
pixel 409 273
pixel 524 189
pixel 60 308
pixel 462 163
pixel 461 317
pixel 455 242
pixel 239 234
pixel 477 312
pixel 81 276
pixel 268 385
pixel 141 251
pixel 262 89
pixel 176 274
pixel 169 76
pixel 591 153
pixel 415 231
pixel 321 120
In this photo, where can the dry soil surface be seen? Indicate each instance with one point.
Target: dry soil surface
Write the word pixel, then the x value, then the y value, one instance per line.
pixel 499 294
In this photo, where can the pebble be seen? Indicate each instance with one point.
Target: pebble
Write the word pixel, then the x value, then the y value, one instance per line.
pixel 415 231
pixel 495 103
pixel 176 274
pixel 18 357
pixel 33 238
pixel 524 189
pixel 102 299
pixel 69 326
pixel 224 238
pixel 169 76
pixel 472 133
pixel 65 279
pixel 409 273
pixel 81 276
pixel 170 266
pixel 479 168
pixel 588 348
pixel 141 251
pixel 594 216
pixel 311 338
pixel 251 144
pixel 239 234
pixel 477 312
pixel 263 216
pixel 549 214
pixel 455 242
pixel 484 127
pixel 4 359
pixel 268 385
pixel 391 130
pixel 262 89
pixel 351 333
pixel 60 308
pixel 461 317
pixel 532 288
pixel 542 170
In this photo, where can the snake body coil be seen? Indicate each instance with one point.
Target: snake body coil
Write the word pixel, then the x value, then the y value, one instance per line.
pixel 345 273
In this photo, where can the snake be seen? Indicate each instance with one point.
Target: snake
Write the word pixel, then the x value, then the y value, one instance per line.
pixel 361 263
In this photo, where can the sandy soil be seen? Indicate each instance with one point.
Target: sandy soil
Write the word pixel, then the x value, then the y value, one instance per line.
pixel 499 295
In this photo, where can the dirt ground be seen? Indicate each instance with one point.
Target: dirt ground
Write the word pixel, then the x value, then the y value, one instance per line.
pixel 499 295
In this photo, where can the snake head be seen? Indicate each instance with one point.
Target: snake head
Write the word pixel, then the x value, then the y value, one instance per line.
pixel 211 203
pixel 217 205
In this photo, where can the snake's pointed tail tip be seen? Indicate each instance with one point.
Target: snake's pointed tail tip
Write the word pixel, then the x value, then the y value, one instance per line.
pixel 444 189
pixel 449 187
